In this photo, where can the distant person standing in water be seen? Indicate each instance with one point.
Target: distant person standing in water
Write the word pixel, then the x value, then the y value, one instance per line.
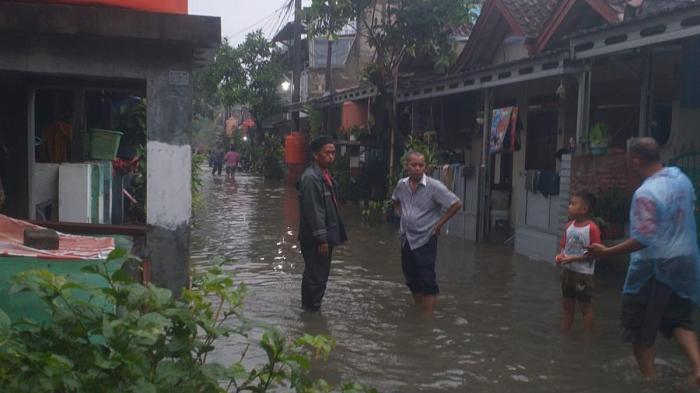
pixel 232 159
pixel 218 161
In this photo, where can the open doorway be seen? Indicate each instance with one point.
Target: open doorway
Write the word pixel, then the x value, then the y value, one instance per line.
pixel 88 153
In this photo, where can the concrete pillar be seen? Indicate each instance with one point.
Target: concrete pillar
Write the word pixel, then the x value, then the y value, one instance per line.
pixel 169 160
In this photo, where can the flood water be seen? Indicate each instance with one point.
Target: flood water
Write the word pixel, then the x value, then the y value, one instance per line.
pixel 496 324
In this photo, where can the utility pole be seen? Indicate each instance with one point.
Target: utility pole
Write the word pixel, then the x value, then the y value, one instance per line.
pixel 296 64
pixel 329 87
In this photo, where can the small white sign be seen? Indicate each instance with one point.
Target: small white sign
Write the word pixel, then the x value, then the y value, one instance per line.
pixel 179 78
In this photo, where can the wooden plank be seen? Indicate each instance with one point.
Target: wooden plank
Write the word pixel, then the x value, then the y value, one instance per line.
pixel 93 229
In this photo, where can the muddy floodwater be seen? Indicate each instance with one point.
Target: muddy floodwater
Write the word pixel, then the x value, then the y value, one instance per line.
pixel 496 324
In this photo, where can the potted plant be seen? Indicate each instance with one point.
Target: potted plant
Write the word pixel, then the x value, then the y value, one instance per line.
pixel 357 133
pixel 612 209
pixel 598 138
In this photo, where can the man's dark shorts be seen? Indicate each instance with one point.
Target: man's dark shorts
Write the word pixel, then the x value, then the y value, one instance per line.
pixel 575 285
pixel 655 308
pixel 419 267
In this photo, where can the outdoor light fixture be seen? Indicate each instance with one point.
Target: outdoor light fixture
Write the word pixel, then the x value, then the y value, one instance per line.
pixel 286 85
pixel 245 138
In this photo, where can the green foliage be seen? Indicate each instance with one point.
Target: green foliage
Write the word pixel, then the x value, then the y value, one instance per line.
pixel 206 130
pixel 612 206
pixel 315 121
pixel 349 188
pixel 248 74
pixel 424 146
pixel 396 30
pixel 137 211
pixel 358 132
pixel 130 119
pixel 130 337
pixel 598 134
pixel 375 210
pixel 198 161
pixel 326 18
pixel 266 158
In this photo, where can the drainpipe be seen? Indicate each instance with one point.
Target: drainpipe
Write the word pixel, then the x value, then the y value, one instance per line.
pixel 583 111
pixel 296 63
pixel 329 87
pixel 483 194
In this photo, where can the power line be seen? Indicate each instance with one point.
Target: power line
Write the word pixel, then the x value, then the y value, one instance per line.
pixel 283 19
pixel 258 22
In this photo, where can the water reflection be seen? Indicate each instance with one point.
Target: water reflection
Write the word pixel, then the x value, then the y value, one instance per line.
pixel 495 329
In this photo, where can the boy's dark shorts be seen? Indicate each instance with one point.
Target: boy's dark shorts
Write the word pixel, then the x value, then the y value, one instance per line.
pixel 575 285
pixel 656 308
pixel 419 267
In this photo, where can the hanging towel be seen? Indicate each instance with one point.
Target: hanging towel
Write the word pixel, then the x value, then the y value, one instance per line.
pixel 548 183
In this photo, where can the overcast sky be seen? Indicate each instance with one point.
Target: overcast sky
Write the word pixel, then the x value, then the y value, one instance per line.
pixel 239 17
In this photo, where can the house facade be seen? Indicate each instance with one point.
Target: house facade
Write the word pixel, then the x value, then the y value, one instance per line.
pixel 559 69
pixel 74 64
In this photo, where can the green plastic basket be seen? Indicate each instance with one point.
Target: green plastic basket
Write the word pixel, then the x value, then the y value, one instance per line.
pixel 104 144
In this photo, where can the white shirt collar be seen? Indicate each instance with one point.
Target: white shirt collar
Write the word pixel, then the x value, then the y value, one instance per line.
pixel 423 180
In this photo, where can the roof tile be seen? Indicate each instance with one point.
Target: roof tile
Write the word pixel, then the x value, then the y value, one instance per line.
pixel 531 15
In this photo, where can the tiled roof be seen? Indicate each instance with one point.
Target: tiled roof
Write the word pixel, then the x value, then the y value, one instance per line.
pixel 531 15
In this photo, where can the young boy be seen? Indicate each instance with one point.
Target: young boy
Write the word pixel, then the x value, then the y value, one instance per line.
pixel 577 267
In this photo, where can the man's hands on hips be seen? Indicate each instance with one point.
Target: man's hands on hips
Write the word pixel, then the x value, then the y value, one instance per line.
pixel 323 249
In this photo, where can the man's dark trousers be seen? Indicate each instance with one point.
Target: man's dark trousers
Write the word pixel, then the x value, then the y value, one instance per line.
pixel 316 271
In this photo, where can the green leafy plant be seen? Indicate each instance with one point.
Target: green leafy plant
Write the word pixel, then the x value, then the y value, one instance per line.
pixel 137 211
pixel 248 74
pixel 414 143
pixel 198 161
pixel 613 206
pixel 397 30
pixel 376 210
pixel 129 337
pixel 598 135
pixel 357 132
pixel 266 158
pixel 349 187
pixel 315 121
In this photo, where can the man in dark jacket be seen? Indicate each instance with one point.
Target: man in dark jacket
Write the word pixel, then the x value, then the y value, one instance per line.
pixel 320 226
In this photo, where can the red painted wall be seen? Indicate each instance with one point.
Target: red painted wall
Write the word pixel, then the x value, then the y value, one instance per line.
pixel 166 6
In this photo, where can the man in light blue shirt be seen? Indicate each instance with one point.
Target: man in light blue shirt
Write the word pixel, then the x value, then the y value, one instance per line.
pixel 425 205
pixel 663 278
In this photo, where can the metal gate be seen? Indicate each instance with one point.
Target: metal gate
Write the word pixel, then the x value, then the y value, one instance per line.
pixel 689 163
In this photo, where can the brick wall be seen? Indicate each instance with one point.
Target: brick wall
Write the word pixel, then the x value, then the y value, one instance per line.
pixel 598 174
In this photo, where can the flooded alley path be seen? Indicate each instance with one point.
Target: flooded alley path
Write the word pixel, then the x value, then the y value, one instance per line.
pixel 496 325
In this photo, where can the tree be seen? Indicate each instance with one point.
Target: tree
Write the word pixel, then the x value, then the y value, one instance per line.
pixel 396 30
pixel 248 74
pixel 326 19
